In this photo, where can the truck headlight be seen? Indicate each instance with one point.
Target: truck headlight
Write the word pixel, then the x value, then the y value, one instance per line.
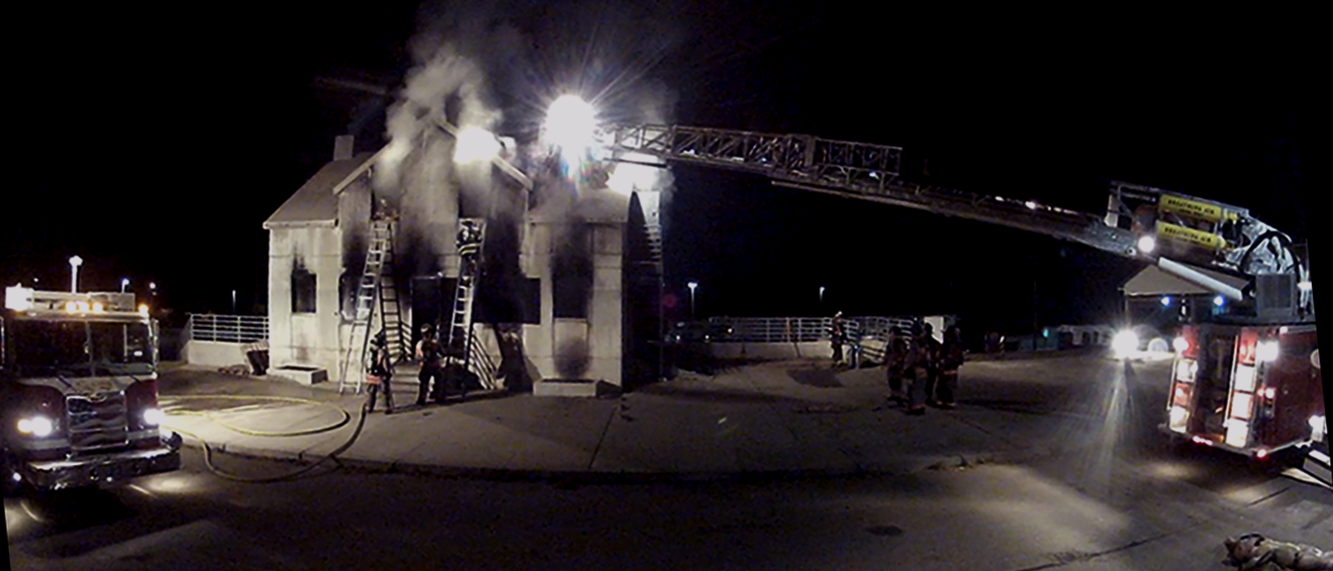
pixel 38 426
pixel 153 416
pixel 1125 342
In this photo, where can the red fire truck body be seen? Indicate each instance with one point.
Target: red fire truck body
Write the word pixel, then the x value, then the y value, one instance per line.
pixel 78 391
pixel 1250 389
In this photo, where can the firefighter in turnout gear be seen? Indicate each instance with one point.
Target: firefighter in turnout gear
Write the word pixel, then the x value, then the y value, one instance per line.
pixel 837 337
pixel 429 354
pixel 950 359
pixel 379 373
pixel 895 355
pixel 920 367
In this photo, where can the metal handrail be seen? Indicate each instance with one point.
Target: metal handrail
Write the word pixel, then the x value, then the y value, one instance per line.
pixel 226 328
pixel 806 329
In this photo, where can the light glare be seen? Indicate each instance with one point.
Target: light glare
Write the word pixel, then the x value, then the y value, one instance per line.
pixel 1147 244
pixel 37 426
pixel 570 124
pixel 474 145
pixel 1178 417
pixel 153 416
pixel 1268 351
pixel 1181 344
pixel 1125 342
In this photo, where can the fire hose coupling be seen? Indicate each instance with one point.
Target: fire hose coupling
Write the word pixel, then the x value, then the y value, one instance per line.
pixel 1254 552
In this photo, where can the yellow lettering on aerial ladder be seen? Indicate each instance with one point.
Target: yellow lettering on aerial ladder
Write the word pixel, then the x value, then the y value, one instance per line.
pixel 1189 235
pixel 1193 208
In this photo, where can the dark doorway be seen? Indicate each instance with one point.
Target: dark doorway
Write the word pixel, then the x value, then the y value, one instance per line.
pixel 427 303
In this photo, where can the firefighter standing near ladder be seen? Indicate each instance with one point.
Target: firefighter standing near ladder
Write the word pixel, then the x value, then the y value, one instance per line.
pixel 428 354
pixel 380 372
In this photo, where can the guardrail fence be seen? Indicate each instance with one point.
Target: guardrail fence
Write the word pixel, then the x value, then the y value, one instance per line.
pixel 226 328
pixel 805 329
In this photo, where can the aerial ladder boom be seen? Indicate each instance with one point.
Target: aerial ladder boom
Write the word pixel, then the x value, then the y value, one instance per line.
pixel 1180 234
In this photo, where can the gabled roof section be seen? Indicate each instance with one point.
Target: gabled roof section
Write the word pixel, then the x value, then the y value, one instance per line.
pixel 315 203
pixel 1153 281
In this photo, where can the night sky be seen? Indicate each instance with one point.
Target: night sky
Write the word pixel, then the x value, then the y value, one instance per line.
pixel 155 143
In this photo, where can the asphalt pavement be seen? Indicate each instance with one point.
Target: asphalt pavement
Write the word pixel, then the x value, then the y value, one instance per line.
pixel 791 418
pixel 770 419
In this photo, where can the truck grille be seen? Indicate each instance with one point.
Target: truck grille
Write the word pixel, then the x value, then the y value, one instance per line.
pixel 97 422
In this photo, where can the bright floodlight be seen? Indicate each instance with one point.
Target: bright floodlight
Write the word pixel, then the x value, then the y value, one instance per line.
pixel 1219 300
pixel 474 145
pixel 570 123
pixel 74 263
pixel 1166 300
pixel 1147 244
pixel 1125 342
pixel 1181 344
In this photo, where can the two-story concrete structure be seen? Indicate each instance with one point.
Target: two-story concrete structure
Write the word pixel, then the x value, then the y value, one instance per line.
pixel 558 258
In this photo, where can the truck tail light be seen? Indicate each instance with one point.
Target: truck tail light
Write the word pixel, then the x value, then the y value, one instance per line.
pixel 1179 417
pixel 1180 395
pixel 1186 369
pixel 1187 342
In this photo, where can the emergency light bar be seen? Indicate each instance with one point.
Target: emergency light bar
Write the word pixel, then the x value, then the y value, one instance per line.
pixel 19 298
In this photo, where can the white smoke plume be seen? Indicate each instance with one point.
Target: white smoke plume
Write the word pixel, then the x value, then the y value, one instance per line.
pixel 446 86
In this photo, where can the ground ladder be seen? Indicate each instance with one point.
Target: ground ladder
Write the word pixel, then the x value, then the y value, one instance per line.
pixel 376 288
pixel 461 341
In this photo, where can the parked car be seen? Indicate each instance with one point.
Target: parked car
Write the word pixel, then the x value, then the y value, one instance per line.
pixel 697 332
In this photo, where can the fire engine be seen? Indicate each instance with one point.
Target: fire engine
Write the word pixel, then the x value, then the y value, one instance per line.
pixel 78 387
pixel 1245 376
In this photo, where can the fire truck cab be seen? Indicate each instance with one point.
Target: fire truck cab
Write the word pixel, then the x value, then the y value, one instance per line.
pixel 78 391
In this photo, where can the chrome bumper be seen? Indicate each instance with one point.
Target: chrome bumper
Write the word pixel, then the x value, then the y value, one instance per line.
pixel 71 473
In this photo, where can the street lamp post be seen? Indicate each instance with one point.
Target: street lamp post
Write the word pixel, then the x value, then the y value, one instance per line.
pixel 692 285
pixel 821 297
pixel 233 302
pixel 74 263
pixel 123 283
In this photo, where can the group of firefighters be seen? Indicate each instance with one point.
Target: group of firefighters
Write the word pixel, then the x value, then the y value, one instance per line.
pixel 430 352
pixel 928 367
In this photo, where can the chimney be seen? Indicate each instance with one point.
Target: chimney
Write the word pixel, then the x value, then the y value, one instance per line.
pixel 342 148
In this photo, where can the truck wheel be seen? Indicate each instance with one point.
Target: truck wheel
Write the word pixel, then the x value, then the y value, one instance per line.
pixel 1293 457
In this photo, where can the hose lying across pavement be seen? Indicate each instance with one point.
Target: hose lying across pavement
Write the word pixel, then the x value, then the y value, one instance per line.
pixel 208 450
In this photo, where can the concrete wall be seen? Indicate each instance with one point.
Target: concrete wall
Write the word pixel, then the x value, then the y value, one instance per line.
pixel 307 338
pixel 214 353
pixel 606 312
pixel 599 336
pixel 774 351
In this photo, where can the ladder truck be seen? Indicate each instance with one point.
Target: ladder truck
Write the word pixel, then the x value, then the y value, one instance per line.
pixel 1245 378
